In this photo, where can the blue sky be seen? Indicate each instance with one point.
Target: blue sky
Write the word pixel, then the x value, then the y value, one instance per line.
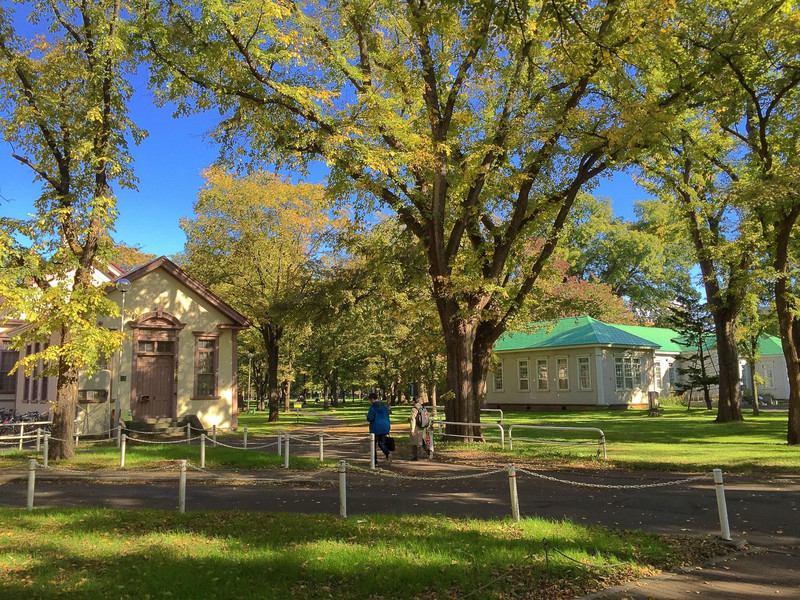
pixel 168 165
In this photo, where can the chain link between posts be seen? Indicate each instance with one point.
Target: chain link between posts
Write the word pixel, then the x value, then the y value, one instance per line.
pixel 640 486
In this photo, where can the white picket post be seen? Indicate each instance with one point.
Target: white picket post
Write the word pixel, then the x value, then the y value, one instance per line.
pixel 321 450
pixel 21 435
pixel 245 437
pixel 202 450
pixel 31 482
pixel 286 452
pixel 38 439
pixel 214 435
pixel 372 451
pixel 188 432
pixel 343 489
pixel 122 445
pixel 725 530
pixel 280 441
pixel 46 449
pixel 512 485
pixel 182 489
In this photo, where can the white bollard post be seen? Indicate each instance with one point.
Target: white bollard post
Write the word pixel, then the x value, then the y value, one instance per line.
pixel 214 435
pixel 118 434
pixel 21 435
pixel 202 450
pixel 122 445
pixel 38 439
pixel 188 432
pixel 372 451
pixel 321 450
pixel 46 449
pixel 245 437
pixel 76 439
pixel 182 489
pixel 286 452
pixel 343 489
pixel 430 446
pixel 725 530
pixel 280 441
pixel 512 485
pixel 31 482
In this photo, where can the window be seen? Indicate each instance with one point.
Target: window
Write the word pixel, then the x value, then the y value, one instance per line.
pixel 8 358
pixel 541 375
pixel 205 370
pixel 584 373
pixel 628 372
pixel 522 370
pixel 657 375
pixel 34 388
pixel 498 378
pixel 562 370
pixel 769 376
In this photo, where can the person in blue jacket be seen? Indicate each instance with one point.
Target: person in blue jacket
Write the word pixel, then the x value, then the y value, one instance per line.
pixel 379 424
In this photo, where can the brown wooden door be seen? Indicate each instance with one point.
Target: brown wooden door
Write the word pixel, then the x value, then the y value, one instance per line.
pixel 154 387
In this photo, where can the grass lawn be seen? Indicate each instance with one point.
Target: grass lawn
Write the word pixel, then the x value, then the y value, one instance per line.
pixel 112 554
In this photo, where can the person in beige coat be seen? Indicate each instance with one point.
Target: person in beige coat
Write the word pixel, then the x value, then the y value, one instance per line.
pixel 418 434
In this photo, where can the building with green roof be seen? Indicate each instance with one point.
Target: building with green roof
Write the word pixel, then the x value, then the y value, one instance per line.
pixel 580 362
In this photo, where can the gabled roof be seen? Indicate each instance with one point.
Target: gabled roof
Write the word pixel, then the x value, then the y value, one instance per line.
pixel 572 331
pixel 769 344
pixel 162 262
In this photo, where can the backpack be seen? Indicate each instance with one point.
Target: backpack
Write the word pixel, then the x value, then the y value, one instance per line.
pixel 423 420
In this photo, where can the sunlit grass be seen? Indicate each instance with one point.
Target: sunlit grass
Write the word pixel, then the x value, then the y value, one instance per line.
pixel 111 554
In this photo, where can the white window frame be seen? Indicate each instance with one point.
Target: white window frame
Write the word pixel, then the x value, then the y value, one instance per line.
pixel 523 383
pixel 769 375
pixel 628 372
pixel 584 379
pixel 657 375
pixel 498 377
pixel 562 383
pixel 540 363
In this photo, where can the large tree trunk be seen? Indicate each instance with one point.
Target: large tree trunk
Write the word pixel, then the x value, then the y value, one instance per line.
pixel 788 320
pixel 62 443
pixel 790 341
pixel 728 409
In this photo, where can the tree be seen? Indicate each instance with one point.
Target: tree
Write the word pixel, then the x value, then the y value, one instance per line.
pixel 256 241
pixel 127 257
pixel 692 322
pixel 647 261
pixel 754 322
pixel 751 48
pixel 478 123
pixel 63 109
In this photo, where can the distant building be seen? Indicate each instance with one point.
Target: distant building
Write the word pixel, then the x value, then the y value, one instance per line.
pixel 179 358
pixel 580 362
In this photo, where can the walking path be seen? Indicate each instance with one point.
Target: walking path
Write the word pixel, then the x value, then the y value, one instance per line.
pixel 763 510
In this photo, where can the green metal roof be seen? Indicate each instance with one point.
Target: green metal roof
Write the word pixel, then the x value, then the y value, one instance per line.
pixel 586 331
pixel 769 344
pixel 572 331
pixel 660 336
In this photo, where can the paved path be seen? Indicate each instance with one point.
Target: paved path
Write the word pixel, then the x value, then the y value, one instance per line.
pixel 762 510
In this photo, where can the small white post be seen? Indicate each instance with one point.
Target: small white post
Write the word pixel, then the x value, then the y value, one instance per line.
pixel 214 435
pixel 122 445
pixel 76 439
pixel 430 437
pixel 286 452
pixel 245 437
pixel 202 450
pixel 512 485
pixel 38 439
pixel 321 449
pixel 182 489
pixel 118 433
pixel 46 449
pixel 343 489
pixel 188 432
pixel 725 530
pixel 280 441
pixel 21 435
pixel 372 451
pixel 31 481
